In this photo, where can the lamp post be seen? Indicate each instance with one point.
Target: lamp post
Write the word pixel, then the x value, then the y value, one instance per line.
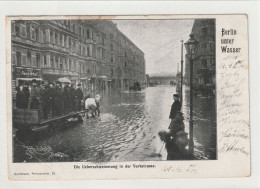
pixel 191 47
pixel 181 68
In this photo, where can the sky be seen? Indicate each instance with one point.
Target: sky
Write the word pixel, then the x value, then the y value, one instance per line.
pixel 159 40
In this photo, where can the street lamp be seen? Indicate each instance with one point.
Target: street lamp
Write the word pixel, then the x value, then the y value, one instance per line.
pixel 191 47
pixel 181 70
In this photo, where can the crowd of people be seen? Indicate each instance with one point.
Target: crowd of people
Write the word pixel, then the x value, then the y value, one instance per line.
pixel 53 99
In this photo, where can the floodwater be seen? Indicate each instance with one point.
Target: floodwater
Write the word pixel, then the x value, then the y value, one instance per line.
pixel 127 130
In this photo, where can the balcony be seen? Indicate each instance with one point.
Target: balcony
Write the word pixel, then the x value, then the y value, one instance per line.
pixel 56 47
pixel 25 40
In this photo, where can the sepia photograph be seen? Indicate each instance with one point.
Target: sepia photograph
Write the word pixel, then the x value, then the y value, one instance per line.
pixel 113 90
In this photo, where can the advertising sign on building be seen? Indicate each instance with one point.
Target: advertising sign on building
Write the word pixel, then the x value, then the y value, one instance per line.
pixel 27 73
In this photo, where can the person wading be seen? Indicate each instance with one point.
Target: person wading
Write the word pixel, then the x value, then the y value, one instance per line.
pixel 176 108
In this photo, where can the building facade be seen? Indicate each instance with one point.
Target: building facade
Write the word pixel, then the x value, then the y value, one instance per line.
pixel 92 52
pixel 162 80
pixel 204 68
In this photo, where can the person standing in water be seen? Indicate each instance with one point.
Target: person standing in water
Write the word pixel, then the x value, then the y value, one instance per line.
pixel 176 106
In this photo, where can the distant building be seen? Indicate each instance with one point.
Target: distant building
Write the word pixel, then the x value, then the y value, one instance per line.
pixel 93 52
pixel 162 80
pixel 204 70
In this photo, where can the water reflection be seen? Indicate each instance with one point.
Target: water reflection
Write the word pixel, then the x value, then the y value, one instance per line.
pixel 128 129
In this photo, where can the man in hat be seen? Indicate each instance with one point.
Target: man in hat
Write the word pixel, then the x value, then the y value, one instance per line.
pixel 34 96
pixel 50 100
pixel 176 106
pixel 41 91
pixel 20 98
pixel 65 98
pixel 78 97
pixel 71 91
pixel 26 91
pixel 58 99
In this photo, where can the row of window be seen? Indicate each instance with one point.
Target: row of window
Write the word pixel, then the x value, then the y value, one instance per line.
pixel 56 62
pixel 58 38
pixel 208 46
pixel 207 63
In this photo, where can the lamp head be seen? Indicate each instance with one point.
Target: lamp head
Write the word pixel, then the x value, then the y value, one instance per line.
pixel 191 45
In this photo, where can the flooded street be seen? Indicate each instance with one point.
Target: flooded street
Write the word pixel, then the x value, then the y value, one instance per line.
pixel 128 129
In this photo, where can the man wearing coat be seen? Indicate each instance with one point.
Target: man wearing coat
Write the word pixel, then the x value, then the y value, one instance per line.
pixel 50 99
pixel 58 99
pixel 41 91
pixel 34 96
pixel 78 97
pixel 71 91
pixel 176 106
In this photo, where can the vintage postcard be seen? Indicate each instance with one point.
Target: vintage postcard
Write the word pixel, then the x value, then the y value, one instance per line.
pixel 127 97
